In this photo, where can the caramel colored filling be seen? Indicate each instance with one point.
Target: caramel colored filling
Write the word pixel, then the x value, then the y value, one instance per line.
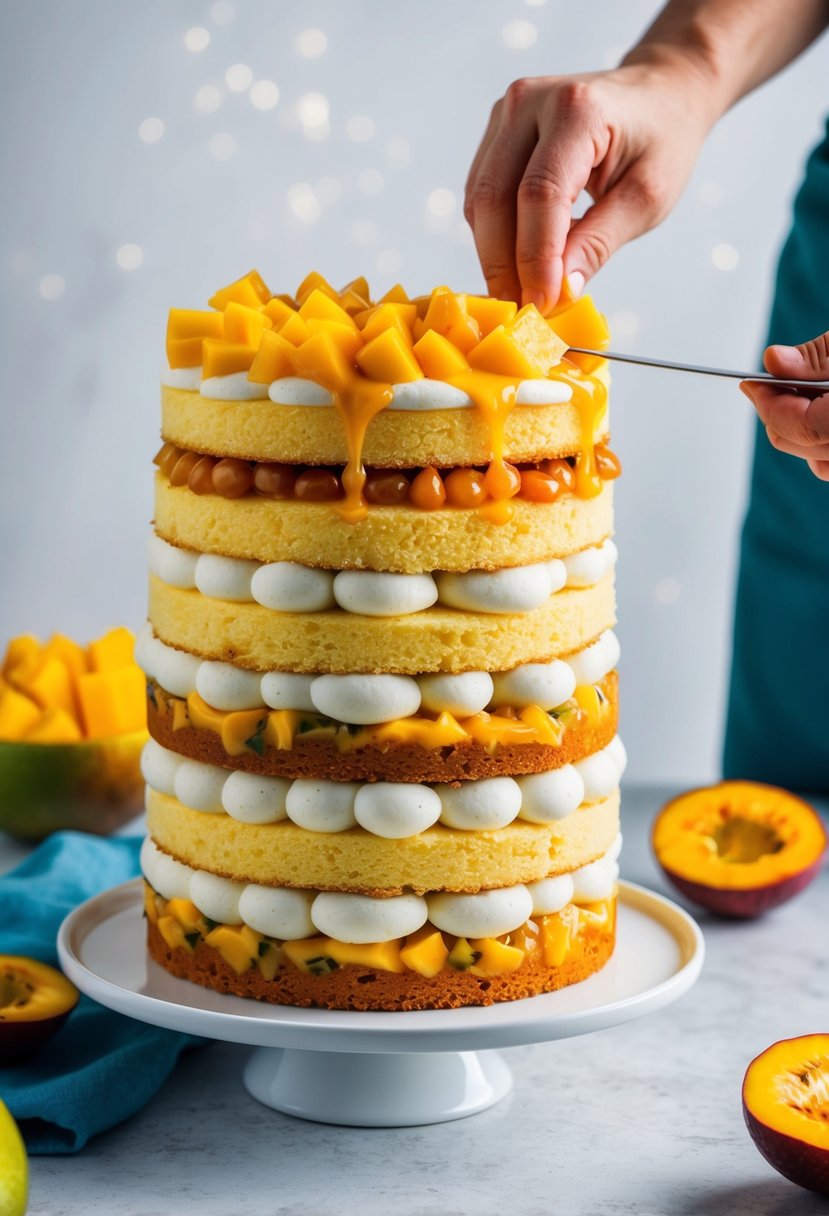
pixel 427 952
pixel 427 489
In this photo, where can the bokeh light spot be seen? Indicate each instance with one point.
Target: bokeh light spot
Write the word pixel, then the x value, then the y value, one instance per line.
pixel 207 99
pixel 441 202
pixel 129 257
pixel 150 130
pixel 519 35
pixel 624 324
pixel 222 145
pixel 52 286
pixel 304 203
pixel 222 13
pixel 311 43
pixel 238 77
pixel 197 39
pixel 725 257
pixel 667 591
pixel 360 128
pixel 264 95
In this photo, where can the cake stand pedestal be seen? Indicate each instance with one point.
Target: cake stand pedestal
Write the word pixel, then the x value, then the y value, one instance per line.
pixel 380 1069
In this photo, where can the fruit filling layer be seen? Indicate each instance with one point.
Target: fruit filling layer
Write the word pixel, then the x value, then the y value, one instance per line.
pixel 427 489
pixel 394 810
pixel 363 354
pixel 293 587
pixel 369 931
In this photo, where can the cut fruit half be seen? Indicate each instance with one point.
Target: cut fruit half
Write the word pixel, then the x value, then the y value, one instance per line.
pixel 786 1108
pixel 35 1000
pixel 739 848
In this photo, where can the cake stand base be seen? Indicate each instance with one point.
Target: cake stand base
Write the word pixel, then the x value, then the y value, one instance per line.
pixel 362 1089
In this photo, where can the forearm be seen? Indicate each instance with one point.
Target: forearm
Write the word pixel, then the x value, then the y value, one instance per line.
pixel 729 47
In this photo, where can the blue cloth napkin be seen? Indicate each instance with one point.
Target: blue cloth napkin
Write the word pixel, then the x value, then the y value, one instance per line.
pixel 100 1067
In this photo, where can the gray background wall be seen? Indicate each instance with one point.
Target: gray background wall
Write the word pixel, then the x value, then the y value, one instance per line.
pixel 108 219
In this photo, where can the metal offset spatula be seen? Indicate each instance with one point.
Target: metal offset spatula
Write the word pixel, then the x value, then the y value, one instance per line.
pixel 815 387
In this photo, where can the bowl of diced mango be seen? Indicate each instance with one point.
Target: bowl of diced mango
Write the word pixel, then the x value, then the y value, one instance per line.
pixel 73 722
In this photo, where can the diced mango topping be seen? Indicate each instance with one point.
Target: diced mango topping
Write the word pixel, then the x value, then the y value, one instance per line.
pixel 62 693
pixel 525 347
pixel 273 359
pixel 389 359
pixel 245 325
pixel 250 290
pixel 186 331
pixel 225 358
pixel 581 324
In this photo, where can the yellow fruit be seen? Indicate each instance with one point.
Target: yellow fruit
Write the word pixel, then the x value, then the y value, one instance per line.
pixel 14 1167
pixel 249 290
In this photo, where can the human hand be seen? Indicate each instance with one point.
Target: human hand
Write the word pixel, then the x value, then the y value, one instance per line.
pixel 795 422
pixel 628 137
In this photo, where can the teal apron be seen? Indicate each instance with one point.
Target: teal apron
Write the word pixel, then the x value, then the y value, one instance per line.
pixel 777 726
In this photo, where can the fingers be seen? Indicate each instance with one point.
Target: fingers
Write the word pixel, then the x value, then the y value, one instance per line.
pixel 809 361
pixel 493 185
pixel 794 424
pixel 625 212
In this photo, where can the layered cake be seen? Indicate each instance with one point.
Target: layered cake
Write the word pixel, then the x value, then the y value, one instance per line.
pixel 383 769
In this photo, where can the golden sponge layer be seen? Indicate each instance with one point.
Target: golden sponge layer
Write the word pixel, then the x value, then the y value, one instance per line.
pixel 439 859
pixel 261 430
pixel 389 538
pixel 439 639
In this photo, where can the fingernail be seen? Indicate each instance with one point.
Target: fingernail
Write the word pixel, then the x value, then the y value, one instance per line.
pixel 788 354
pixel 530 295
pixel 573 284
pixel 745 389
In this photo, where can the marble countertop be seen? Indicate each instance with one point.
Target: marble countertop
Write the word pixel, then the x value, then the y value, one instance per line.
pixel 641 1120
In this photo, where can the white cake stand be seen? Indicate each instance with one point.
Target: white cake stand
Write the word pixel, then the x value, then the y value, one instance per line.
pixel 380 1069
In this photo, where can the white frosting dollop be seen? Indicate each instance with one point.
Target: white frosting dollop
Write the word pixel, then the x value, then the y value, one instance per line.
pixel 227 687
pixel 461 695
pixel 293 390
pixel 280 912
pixel 365 700
pixel 375 593
pixel 544 684
pixel 517 589
pixel 175 670
pixel 615 849
pixel 361 919
pixel 159 766
pixel 487 914
pixel 479 806
pixel 215 897
pixel 225 578
pixel 595 881
pixel 600 774
pixel 255 798
pixel 552 795
pixel 395 809
pixel 551 894
pixel 589 567
pixel 426 394
pixel 616 749
pixel 234 387
pixel 287 690
pixel 596 660
pixel 175 567
pixel 199 786
pixel 543 392
pixel 170 878
pixel 322 806
pixel 187 378
pixel 290 587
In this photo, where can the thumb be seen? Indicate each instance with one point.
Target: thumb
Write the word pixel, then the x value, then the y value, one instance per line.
pixel 625 212
pixel 808 361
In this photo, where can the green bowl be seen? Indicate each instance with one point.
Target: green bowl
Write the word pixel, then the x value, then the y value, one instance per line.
pixel 94 786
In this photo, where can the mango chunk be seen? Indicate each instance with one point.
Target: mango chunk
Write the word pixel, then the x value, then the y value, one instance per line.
pixel 322 360
pixel 54 726
pixel 72 655
pixel 388 359
pixel 495 958
pixel 173 934
pixel 243 730
pixel 281 727
pixel 204 716
pixel 319 306
pixel 186 330
pixel 395 295
pixel 348 338
pixel 113 650
pixel 181 717
pixel 250 290
pixel 438 357
pixel 51 687
pixel 187 915
pixel 18 713
pixel 225 358
pixel 314 282
pixel 233 946
pixel 556 932
pixel 581 324
pixel 310 954
pixel 425 952
pixel 294 330
pixel 278 312
pixel 390 316
pixel 589 702
pixel 20 650
pixel 244 324
pixel 269 959
pixel 547 730
pixel 526 348
pixel 150 904
pixel 489 312
pixel 352 302
pixel 112 702
pixel 273 359
pixel 358 287
pixel 462 956
pixel 447 314
pixel 382 956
